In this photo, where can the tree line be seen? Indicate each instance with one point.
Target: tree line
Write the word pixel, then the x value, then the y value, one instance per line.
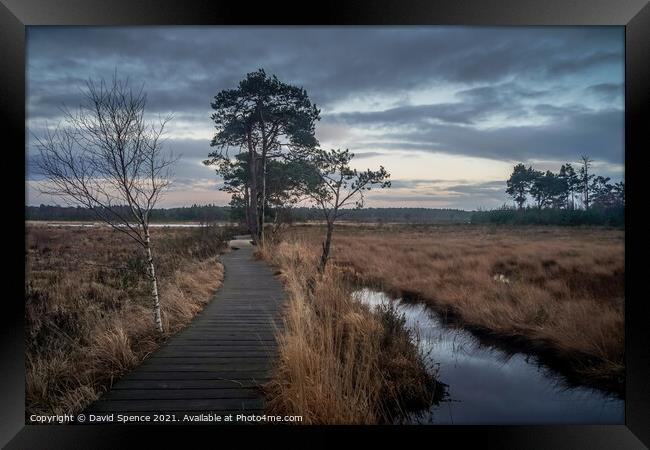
pixel 213 213
pixel 195 213
pixel 567 189
pixel 397 215
pixel 512 215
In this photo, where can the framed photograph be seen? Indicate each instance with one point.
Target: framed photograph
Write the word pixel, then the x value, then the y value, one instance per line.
pixel 371 217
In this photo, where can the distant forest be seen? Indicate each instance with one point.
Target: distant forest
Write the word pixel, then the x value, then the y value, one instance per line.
pixel 213 213
pixel 613 216
pixel 194 213
pixel 569 197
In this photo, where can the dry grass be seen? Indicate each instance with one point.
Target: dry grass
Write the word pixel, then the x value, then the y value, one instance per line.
pixel 88 309
pixel 562 297
pixel 340 363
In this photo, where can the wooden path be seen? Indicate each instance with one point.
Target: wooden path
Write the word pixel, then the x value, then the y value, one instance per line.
pixel 216 364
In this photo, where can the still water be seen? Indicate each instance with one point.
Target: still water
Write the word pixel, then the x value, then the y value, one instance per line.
pixel 489 386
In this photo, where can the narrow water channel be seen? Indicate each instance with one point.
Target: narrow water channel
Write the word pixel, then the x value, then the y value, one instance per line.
pixel 489 386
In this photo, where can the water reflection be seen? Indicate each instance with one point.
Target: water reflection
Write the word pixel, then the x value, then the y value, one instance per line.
pixel 489 386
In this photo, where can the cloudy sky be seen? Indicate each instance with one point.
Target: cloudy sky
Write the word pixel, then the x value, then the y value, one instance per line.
pixel 447 110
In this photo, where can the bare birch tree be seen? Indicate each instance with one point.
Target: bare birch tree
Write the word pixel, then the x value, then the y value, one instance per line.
pixel 107 157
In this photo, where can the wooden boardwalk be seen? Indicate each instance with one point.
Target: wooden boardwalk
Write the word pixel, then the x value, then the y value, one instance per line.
pixel 217 363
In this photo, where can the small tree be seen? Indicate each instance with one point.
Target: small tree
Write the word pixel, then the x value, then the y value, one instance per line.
pixel 619 192
pixel 519 184
pixel 572 182
pixel 560 188
pixel 537 191
pixel 547 189
pixel 603 193
pixel 107 158
pixel 336 186
pixel 585 179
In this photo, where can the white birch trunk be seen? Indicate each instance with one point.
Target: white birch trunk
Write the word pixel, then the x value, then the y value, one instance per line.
pixel 154 284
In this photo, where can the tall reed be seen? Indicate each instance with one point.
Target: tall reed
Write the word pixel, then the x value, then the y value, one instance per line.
pixel 340 362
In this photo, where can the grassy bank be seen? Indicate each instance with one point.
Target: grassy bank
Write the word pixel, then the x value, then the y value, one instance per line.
pixel 340 362
pixel 555 292
pixel 88 307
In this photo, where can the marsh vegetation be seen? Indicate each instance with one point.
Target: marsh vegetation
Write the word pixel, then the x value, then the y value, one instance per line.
pixel 340 361
pixel 87 305
pixel 550 291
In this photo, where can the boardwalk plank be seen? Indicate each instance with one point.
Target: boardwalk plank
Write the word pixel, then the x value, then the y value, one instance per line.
pixel 221 353
pixel 231 359
pixel 185 384
pixel 223 343
pixel 198 375
pixel 210 365
pixel 162 405
pixel 171 394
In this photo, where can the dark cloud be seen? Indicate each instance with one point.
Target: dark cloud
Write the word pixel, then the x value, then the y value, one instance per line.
pixel 465 195
pixel 189 148
pixel 412 183
pixel 405 198
pixel 331 62
pixel 460 113
pixel 473 105
pixel 488 188
pixel 597 133
pixel 607 91
pixel 568 64
pixel 187 169
pixel 361 155
pixel 565 83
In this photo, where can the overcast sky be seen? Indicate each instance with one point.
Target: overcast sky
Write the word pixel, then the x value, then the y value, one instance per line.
pixel 447 110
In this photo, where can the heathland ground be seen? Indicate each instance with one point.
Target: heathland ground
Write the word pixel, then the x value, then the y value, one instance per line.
pixel 557 292
pixel 88 313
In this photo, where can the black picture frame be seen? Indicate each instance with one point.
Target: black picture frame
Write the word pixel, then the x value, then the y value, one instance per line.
pixel 15 15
